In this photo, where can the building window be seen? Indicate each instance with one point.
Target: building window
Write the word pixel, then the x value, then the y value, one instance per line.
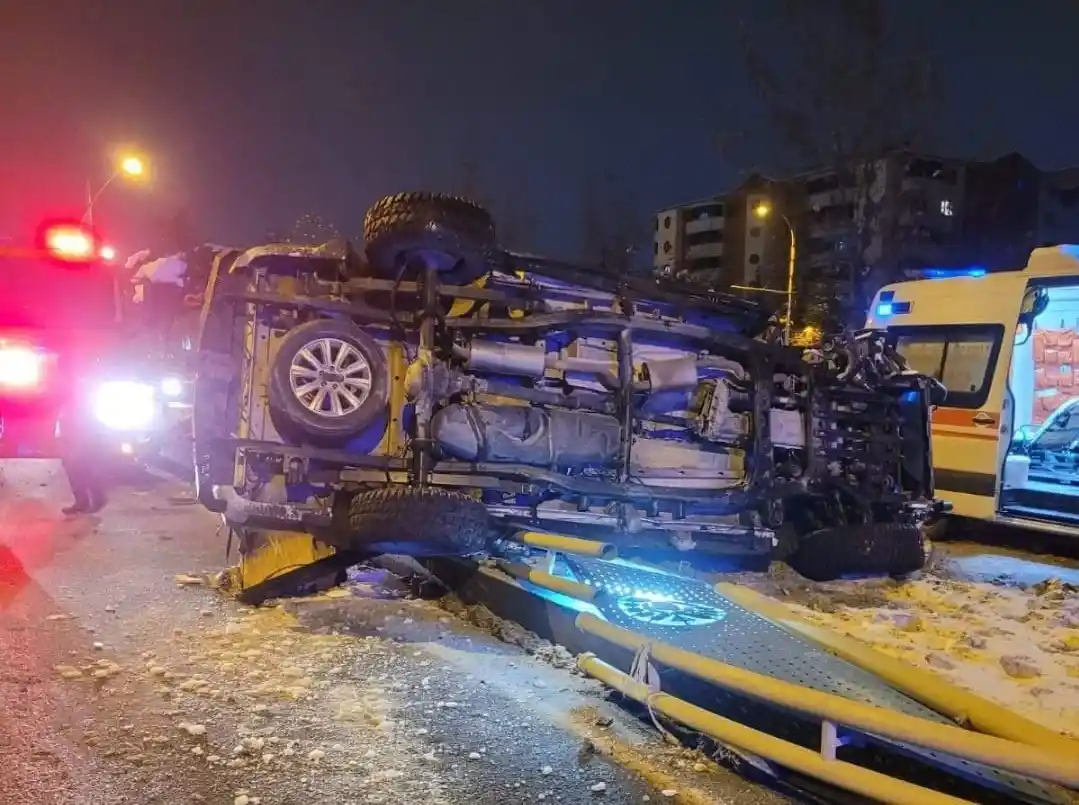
pixel 667 247
pixel 754 259
pixel 946 208
pixel 754 231
pixel 705 262
pixel 655 248
pixel 667 222
pixel 823 184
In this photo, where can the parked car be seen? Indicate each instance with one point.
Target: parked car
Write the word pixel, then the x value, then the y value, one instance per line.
pixel 437 394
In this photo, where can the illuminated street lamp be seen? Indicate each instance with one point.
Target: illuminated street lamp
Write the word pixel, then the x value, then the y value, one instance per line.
pixel 130 166
pixel 762 211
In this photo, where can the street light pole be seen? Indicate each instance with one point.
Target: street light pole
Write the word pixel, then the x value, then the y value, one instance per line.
pixel 129 166
pixel 790 280
pixel 763 210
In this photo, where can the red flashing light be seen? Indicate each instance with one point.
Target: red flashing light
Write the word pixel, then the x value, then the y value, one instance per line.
pixel 20 367
pixel 69 241
pixel 107 253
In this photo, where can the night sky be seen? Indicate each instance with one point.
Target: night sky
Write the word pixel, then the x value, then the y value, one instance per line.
pixel 256 112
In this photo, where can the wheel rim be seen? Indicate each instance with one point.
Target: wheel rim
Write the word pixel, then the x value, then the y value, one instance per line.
pixel 330 377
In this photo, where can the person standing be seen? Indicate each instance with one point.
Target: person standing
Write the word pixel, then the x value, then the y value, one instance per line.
pixel 80 452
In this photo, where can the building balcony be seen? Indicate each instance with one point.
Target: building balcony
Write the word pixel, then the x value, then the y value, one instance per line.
pixel 704 250
pixel 704 224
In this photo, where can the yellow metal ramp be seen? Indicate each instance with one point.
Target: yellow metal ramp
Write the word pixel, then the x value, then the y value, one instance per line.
pixel 765 674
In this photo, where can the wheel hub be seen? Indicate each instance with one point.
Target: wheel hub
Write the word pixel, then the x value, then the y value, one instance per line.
pixel 330 377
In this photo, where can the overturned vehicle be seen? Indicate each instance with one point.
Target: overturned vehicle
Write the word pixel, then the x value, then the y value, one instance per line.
pixel 437 395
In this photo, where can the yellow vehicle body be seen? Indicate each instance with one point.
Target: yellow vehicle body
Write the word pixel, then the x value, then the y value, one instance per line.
pixel 976 318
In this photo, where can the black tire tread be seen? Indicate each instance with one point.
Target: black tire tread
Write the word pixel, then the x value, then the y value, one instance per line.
pixel 418 521
pixel 414 221
pixel 895 549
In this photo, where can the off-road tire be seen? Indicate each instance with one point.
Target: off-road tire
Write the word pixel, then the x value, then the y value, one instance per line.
pixel 894 549
pixel 455 234
pixel 294 420
pixel 418 521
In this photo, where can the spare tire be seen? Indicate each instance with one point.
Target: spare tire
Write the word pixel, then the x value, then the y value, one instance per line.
pixel 418 521
pixel 893 549
pixel 451 234
pixel 328 383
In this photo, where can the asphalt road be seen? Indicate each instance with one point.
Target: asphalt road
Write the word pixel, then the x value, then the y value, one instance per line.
pixel 120 685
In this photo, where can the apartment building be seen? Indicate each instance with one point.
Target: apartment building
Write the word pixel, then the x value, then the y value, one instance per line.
pixel 716 241
pixel 858 226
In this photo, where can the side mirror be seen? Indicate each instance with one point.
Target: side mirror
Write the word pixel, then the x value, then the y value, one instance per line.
pixel 1025 433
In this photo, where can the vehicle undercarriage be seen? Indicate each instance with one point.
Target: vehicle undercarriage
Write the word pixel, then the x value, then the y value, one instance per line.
pixel 442 394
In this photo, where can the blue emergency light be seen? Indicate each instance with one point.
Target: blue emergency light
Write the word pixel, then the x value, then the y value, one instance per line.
pixel 952 273
pixel 888 306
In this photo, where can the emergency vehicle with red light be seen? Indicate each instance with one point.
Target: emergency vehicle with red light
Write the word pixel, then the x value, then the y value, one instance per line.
pixel 63 346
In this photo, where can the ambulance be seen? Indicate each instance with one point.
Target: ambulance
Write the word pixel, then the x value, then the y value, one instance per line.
pixel 1005 344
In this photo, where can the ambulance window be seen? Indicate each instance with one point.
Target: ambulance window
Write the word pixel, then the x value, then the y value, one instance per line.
pixel 966 363
pixel 962 357
pixel 925 355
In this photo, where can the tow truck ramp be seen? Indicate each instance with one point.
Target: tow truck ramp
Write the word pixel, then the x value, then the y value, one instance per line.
pixel 799 701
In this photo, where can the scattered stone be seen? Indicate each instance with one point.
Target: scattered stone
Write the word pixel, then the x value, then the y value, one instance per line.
pixel 1019 667
pixel 546 770
pixel 1064 645
pixel 315 755
pixel 669 792
pixel 474 755
pixel 908 622
pixel 99 646
pixel 60 616
pixel 187 580
pixel 192 729
pixel 598 788
pixel 935 659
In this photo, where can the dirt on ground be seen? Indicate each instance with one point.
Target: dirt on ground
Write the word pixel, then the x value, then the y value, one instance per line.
pixel 128 678
pixel 999 622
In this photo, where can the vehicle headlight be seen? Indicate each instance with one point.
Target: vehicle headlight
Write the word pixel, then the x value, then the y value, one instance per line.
pixel 172 387
pixel 125 405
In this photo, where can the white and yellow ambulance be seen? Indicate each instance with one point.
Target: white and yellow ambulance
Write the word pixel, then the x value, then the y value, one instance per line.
pixel 1006 346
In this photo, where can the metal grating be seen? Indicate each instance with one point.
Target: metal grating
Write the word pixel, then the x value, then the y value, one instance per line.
pixel 691 615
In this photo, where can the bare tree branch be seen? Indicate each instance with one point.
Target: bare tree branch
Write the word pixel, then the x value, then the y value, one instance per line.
pixel 841 85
